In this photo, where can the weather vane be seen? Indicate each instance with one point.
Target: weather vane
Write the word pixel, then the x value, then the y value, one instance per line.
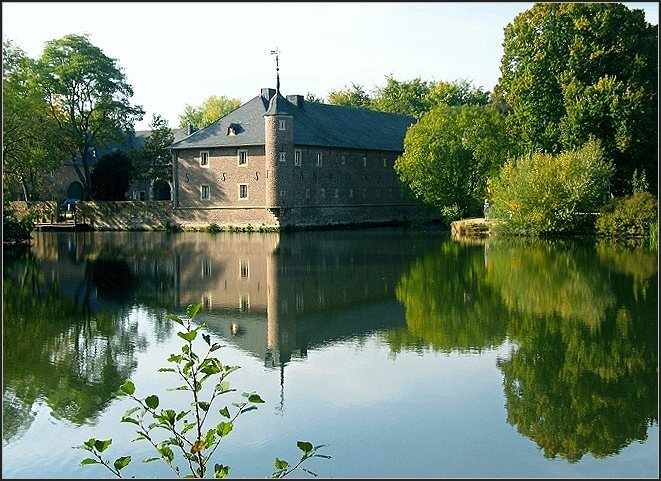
pixel 277 69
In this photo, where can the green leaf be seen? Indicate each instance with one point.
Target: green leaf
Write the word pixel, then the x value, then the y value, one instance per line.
pixel 188 336
pixel 152 401
pixel 150 460
pixel 281 463
pixel 225 412
pixel 207 339
pixel 87 461
pixel 204 405
pixel 101 446
pixel 304 446
pixel 192 310
pixel 128 388
pixel 166 369
pixel 175 319
pixel 220 471
pixel 223 428
pixel 255 398
pixel 121 463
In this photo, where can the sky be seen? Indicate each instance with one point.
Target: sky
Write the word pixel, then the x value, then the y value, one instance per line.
pixel 181 53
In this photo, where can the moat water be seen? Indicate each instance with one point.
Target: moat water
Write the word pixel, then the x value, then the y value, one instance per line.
pixel 410 354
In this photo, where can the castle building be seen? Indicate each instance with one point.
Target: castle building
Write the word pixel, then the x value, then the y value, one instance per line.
pixel 285 162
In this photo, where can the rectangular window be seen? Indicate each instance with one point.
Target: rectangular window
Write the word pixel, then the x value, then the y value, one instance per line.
pixel 204 159
pixel 319 159
pixel 243 157
pixel 297 157
pixel 281 125
pixel 283 156
pixel 343 161
pixel 205 192
pixel 243 269
pixel 323 193
pixel 243 191
pixel 364 161
pixel 337 193
pixel 206 268
pixel 307 193
pixel 384 161
pixel 244 304
pixel 351 193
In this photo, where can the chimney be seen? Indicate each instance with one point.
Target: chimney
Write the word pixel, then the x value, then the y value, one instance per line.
pixel 297 100
pixel 267 94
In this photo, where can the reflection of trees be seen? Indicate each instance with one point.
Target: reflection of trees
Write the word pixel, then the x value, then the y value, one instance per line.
pixel 543 277
pixel 449 306
pixel 584 376
pixel 56 351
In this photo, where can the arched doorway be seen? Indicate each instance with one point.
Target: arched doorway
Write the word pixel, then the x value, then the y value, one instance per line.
pixel 162 191
pixel 75 191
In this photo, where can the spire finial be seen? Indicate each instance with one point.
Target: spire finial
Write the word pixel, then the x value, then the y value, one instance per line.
pixel 277 70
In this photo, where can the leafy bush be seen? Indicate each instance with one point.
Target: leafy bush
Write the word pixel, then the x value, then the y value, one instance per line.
pixel 632 215
pixel 547 194
pixel 15 231
pixel 187 432
pixel 213 228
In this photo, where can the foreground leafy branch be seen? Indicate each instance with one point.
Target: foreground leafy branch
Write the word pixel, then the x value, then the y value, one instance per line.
pixel 186 431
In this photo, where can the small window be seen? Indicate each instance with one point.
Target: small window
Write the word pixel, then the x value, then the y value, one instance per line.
pixel 307 193
pixel 323 193
pixel 282 125
pixel 204 159
pixel 206 268
pixel 364 192
pixel 319 159
pixel 384 161
pixel 297 157
pixel 283 192
pixel 343 160
pixel 351 193
pixel 205 192
pixel 364 161
pixel 243 191
pixel 337 193
pixel 244 304
pixel 243 269
pixel 243 157
pixel 283 156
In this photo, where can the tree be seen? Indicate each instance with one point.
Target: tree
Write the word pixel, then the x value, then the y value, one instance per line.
pixel 212 109
pixel 459 92
pixel 450 153
pixel 571 71
pixel 310 97
pixel 408 97
pixel 88 98
pixel 152 161
pixel 354 96
pixel 112 176
pixel 30 149
pixel 546 194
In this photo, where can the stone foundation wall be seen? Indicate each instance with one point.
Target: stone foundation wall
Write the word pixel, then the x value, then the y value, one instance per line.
pixel 160 215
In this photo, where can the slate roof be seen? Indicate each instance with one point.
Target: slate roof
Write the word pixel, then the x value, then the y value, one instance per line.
pixel 315 125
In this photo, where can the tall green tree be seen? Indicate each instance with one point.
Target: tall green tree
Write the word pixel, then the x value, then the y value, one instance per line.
pixel 353 96
pixel 30 148
pixel 211 109
pixel 152 161
pixel 571 71
pixel 450 153
pixel 112 176
pixel 404 97
pixel 88 97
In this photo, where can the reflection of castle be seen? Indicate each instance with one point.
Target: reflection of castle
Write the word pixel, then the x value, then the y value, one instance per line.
pixel 277 294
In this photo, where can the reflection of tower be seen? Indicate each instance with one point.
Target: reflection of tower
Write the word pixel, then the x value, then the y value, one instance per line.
pixel 280 327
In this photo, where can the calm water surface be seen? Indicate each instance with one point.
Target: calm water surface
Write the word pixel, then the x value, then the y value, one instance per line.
pixel 409 353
